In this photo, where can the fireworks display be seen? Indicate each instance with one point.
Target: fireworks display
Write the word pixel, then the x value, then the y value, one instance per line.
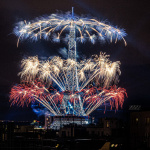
pixel 66 86
pixel 96 77
pixel 55 27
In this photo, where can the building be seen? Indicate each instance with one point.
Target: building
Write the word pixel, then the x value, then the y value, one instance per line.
pixel 57 122
pixel 107 127
pixel 140 129
pixel 6 130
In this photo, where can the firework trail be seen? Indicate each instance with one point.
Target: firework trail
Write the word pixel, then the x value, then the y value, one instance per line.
pixel 81 86
pixel 56 26
pixel 36 75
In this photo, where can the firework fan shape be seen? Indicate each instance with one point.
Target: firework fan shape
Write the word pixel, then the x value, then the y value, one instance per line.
pixel 38 76
pixel 52 27
pixel 66 86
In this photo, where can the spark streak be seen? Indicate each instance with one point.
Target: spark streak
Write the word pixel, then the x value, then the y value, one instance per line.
pixel 37 73
pixel 82 86
pixel 44 27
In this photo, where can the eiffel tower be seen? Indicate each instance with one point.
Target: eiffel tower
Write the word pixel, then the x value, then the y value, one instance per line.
pixel 72 84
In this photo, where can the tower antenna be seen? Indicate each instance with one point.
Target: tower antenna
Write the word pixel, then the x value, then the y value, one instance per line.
pixel 73 13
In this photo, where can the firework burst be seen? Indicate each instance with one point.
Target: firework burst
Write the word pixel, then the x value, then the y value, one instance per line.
pixel 56 26
pixel 36 75
pixel 67 86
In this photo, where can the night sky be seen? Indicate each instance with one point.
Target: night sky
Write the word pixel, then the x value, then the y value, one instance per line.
pixel 133 16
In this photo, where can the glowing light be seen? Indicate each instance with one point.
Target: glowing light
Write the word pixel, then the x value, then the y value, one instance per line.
pixel 81 86
pixel 56 24
pixel 38 73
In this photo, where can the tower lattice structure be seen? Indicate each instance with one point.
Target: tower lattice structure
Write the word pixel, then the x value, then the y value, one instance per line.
pixel 72 84
pixel 72 77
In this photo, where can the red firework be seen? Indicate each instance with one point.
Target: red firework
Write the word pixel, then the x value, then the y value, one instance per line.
pixel 25 93
pixel 92 98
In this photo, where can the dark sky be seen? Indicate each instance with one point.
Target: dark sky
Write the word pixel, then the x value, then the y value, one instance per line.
pixel 132 15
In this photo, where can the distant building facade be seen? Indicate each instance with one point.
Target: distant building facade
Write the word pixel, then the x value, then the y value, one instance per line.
pixel 57 122
pixel 140 129
pixel 105 128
